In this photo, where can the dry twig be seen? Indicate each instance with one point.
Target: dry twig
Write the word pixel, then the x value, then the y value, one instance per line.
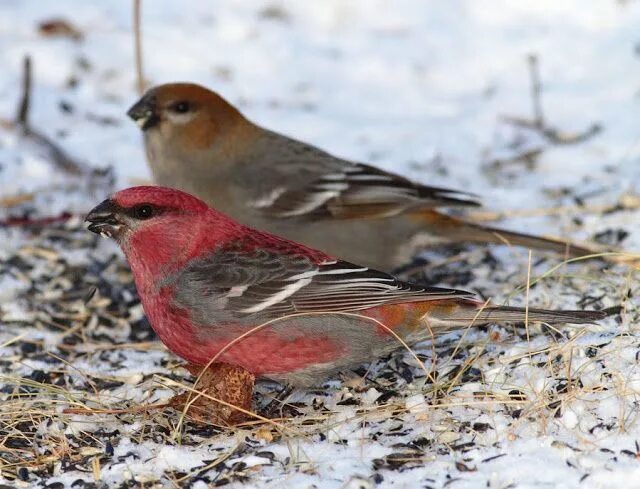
pixel 22 117
pixel 137 39
pixel 538 123
pixel 64 162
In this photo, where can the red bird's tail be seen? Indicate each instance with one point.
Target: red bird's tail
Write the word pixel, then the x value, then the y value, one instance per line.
pixel 475 314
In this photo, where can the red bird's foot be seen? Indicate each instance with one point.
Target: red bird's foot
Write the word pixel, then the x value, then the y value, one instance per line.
pixel 230 384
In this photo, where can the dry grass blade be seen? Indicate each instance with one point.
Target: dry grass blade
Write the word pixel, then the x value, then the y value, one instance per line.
pixel 626 202
pixel 137 41
pixel 16 200
pixel 132 410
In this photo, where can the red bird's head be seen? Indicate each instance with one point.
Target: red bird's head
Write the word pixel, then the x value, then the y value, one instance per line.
pixel 157 225
pixel 186 114
pixel 160 229
pixel 143 210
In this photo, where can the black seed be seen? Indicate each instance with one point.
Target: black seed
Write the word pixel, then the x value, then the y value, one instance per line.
pixel 481 427
pixel 39 376
pixel 27 347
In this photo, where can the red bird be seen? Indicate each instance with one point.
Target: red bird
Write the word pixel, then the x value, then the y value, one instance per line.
pixel 206 282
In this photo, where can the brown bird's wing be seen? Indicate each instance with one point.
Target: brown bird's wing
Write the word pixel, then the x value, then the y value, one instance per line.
pixel 311 183
pixel 232 286
pixel 359 191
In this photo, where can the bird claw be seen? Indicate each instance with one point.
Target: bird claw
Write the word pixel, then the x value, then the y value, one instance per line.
pixel 228 383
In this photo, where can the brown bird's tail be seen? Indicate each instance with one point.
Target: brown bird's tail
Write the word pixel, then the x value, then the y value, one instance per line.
pixel 471 313
pixel 455 229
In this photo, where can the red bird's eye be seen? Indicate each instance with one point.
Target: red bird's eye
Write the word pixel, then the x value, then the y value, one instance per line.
pixel 144 211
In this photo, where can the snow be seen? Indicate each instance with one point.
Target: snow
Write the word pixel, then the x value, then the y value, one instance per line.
pixel 418 87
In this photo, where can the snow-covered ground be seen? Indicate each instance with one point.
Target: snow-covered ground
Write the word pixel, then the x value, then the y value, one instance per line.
pixel 423 88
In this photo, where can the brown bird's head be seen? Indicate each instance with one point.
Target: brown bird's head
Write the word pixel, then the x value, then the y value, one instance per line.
pixel 186 114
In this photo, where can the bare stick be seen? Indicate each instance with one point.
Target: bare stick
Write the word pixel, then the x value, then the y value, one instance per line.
pixel 137 39
pixel 59 156
pixel 23 109
pixel 536 90
pixel 551 134
pixel 56 153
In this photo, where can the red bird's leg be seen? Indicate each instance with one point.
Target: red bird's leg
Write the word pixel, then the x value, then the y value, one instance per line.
pixel 232 385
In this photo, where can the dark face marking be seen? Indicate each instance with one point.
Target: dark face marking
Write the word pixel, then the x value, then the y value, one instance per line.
pixel 109 218
pixel 143 211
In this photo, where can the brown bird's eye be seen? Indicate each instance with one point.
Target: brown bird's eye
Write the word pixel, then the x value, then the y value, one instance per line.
pixel 181 107
pixel 143 211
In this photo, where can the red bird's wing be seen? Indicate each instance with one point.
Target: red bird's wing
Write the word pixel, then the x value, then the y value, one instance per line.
pixel 232 285
pixel 358 191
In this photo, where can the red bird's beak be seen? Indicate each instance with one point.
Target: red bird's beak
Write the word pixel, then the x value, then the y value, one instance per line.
pixel 103 219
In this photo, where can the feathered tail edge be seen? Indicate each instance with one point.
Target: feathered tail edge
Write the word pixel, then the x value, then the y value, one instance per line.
pixel 456 229
pixel 475 314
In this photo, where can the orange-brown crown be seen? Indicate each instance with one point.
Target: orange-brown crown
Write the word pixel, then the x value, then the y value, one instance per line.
pixel 189 114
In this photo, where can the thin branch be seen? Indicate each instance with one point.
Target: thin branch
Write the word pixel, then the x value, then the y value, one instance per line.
pixel 137 38
pixel 56 153
pixel 59 156
pixel 22 118
pixel 536 90
pixel 538 123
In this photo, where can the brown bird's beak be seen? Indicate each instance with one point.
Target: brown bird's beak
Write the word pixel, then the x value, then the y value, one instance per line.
pixel 103 219
pixel 144 112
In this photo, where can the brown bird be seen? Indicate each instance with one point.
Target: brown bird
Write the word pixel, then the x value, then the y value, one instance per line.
pixel 199 143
